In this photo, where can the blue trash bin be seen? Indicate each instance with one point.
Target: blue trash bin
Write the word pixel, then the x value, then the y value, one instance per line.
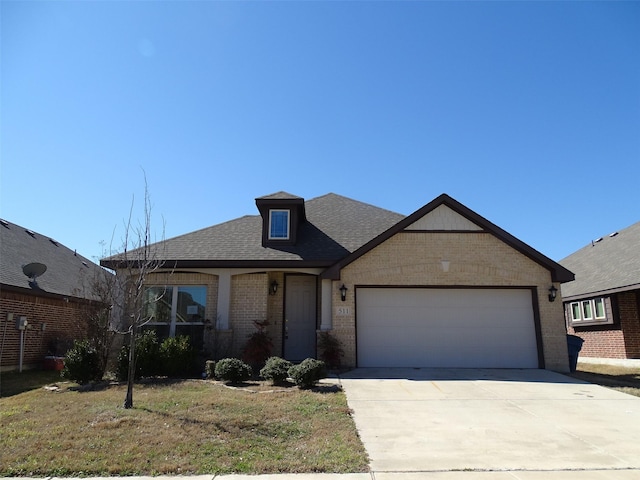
pixel 574 345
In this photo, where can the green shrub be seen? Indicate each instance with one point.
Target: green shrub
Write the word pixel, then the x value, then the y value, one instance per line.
pixel 82 363
pixel 210 369
pixel 176 357
pixel 147 357
pixel 276 369
pixel 233 370
pixel 307 373
pixel 330 350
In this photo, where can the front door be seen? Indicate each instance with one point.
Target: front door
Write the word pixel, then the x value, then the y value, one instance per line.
pixel 300 317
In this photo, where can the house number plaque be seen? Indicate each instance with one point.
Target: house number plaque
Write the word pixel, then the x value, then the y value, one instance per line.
pixel 343 311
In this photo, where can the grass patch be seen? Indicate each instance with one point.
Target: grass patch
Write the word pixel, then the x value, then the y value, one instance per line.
pixel 13 383
pixel 186 427
pixel 623 379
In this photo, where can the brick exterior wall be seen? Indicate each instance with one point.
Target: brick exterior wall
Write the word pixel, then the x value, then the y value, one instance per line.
pixel 64 322
pixel 620 340
pixel 476 259
pixel 249 302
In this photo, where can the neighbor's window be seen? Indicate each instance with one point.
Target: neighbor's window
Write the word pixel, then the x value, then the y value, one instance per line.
pixel 177 310
pixel 589 312
pixel 279 224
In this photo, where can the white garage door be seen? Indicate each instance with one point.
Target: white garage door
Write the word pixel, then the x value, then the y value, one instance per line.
pixel 426 327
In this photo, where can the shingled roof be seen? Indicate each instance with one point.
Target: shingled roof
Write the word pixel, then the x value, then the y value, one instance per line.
pixel 335 227
pixel 68 274
pixel 607 265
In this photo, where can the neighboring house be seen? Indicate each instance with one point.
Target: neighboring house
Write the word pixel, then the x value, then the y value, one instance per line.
pixel 53 302
pixel 443 287
pixel 602 305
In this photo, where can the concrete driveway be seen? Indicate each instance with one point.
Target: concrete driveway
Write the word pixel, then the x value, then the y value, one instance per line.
pixel 442 420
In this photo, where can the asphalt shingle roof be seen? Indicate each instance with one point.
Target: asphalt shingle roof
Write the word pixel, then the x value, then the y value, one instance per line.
pixel 335 226
pixel 610 263
pixel 67 272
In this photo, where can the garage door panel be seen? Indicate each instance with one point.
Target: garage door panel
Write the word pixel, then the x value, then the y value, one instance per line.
pixel 445 328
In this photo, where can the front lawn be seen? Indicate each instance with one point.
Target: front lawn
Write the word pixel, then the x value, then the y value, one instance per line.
pixel 184 427
pixel 623 379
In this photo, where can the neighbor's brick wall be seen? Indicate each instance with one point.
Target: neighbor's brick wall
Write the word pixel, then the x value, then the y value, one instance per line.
pixel 476 259
pixel 64 323
pixel 620 340
pixel 249 302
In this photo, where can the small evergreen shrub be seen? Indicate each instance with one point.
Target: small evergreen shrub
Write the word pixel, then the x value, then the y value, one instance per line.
pixel 276 369
pixel 307 373
pixel 176 357
pixel 82 363
pixel 330 350
pixel 233 370
pixel 210 369
pixel 147 357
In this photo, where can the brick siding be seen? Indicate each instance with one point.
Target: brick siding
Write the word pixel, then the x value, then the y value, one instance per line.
pixel 620 340
pixel 63 320
pixel 249 301
pixel 476 259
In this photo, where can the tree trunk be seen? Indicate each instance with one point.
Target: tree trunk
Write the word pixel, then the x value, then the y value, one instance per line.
pixel 128 401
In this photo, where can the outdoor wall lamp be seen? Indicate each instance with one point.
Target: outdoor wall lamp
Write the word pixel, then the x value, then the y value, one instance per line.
pixel 273 288
pixel 553 291
pixel 343 292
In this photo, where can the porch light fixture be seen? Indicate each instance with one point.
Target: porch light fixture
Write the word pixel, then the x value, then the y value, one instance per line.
pixel 343 292
pixel 553 291
pixel 273 288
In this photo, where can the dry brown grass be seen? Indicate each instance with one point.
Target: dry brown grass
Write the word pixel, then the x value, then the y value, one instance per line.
pixel 187 427
pixel 623 379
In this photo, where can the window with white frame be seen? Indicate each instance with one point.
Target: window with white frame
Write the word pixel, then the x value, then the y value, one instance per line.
pixel 278 224
pixel 592 311
pixel 177 310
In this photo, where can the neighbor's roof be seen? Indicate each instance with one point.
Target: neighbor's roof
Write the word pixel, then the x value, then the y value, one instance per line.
pixel 335 226
pixel 609 264
pixel 67 272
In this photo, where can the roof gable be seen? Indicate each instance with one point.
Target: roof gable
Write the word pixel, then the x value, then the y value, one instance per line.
pixel 610 263
pixel 446 212
pixel 443 218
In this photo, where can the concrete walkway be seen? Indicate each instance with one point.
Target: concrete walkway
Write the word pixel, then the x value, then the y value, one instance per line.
pixel 443 423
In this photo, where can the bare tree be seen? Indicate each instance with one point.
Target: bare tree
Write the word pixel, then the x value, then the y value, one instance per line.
pixel 139 258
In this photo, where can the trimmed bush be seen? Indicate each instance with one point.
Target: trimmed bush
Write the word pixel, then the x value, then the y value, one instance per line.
pixel 276 369
pixel 307 373
pixel 210 369
pixel 176 357
pixel 330 350
pixel 233 370
pixel 82 363
pixel 147 356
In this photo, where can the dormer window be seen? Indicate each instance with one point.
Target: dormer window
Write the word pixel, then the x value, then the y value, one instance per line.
pixel 279 224
pixel 282 215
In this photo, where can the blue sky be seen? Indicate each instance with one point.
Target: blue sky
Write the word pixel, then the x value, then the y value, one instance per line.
pixel 526 112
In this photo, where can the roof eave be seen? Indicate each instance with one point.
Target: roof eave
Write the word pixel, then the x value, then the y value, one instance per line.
pixel 271 264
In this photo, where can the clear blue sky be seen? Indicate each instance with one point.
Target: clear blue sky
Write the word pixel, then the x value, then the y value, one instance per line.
pixel 526 112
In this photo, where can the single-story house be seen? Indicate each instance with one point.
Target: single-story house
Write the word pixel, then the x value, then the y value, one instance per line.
pixel 602 305
pixel 44 296
pixel 442 287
